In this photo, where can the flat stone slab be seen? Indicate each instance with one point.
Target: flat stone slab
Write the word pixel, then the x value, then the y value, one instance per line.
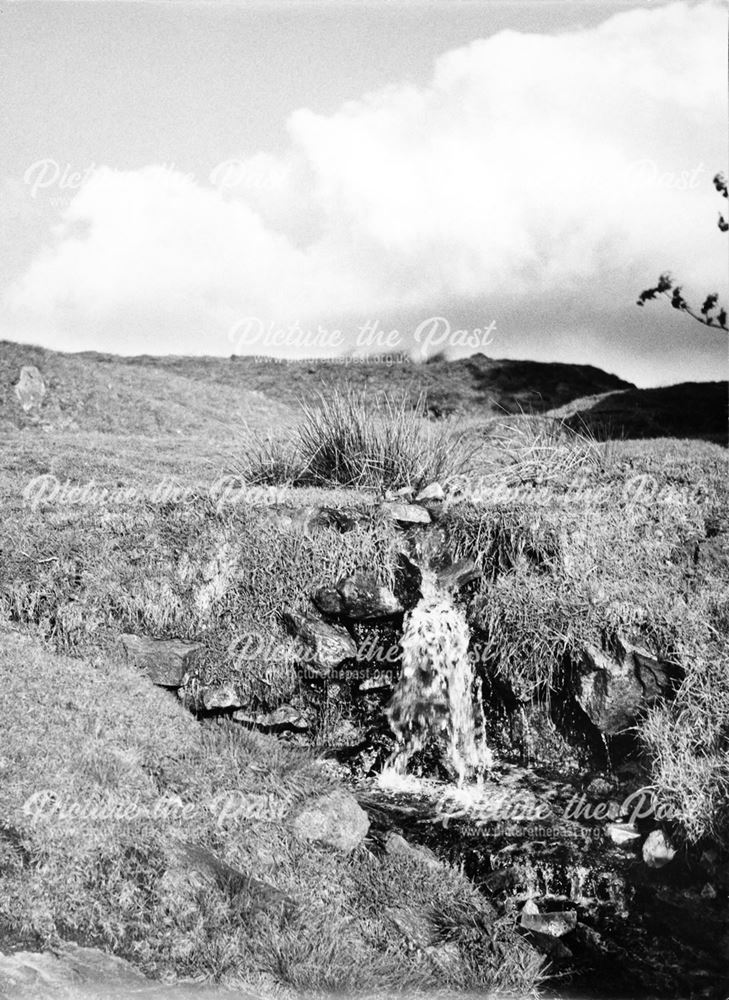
pixel 407 513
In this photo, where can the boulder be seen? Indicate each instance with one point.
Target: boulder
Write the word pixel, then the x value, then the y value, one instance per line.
pixel 658 850
pixel 613 688
pixel 335 820
pixel 551 924
pixel 358 598
pixel 165 661
pixel 406 513
pixel 330 645
pixel 30 388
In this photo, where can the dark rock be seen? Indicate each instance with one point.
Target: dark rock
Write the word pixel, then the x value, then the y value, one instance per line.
pixel 335 820
pixel 613 688
pixel 330 644
pixel 359 598
pixel 166 661
pixel 458 574
pixel 342 518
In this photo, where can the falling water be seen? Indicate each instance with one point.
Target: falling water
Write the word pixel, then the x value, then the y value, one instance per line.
pixel 434 695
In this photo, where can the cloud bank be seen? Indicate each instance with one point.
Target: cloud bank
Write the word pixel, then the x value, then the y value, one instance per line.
pixel 536 170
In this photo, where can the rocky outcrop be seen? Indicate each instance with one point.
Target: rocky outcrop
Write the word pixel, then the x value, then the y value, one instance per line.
pixel 334 820
pixel 167 662
pixel 613 688
pixel 329 644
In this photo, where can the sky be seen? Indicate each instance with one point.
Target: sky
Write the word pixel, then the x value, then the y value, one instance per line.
pixel 319 178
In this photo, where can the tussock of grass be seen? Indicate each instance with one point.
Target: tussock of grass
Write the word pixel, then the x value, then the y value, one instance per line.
pixel 350 440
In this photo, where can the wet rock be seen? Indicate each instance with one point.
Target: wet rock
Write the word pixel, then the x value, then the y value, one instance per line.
pixel 330 644
pixel 405 513
pixel 600 788
pixel 622 833
pixel 335 820
pixel 551 924
pixel 458 575
pixel 30 388
pixel 359 598
pixel 432 492
pixel 219 696
pixel 658 850
pixel 167 662
pixel 612 688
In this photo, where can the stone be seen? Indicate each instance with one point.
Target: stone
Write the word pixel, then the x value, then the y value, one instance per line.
pixel 167 662
pixel 551 924
pixel 397 845
pixel 709 892
pixel 219 696
pixel 343 519
pixel 530 907
pixel 358 598
pixel 658 850
pixel 622 833
pixel 364 598
pixel 600 788
pixel 433 492
pixel 406 513
pixel 458 574
pixel 330 645
pixel 612 689
pixel 190 863
pixel 30 388
pixel 283 717
pixel 335 820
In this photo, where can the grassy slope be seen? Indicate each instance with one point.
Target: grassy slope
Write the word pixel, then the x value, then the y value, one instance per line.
pixel 186 395
pixel 112 880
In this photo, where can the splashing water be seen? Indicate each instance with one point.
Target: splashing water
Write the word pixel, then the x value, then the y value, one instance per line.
pixel 434 695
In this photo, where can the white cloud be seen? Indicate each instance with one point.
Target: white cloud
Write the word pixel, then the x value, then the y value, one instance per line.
pixel 532 165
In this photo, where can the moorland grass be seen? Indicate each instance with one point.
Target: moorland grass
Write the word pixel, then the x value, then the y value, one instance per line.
pixel 98 733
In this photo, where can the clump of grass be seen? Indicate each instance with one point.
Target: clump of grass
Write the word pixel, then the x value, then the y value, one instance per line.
pixel 350 439
pixel 541 450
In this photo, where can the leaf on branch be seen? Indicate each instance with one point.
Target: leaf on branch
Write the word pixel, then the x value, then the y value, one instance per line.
pixel 721 319
pixel 722 223
pixel 709 304
pixel 721 185
pixel 677 299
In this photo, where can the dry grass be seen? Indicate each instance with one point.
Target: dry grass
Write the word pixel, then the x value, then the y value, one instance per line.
pixel 353 440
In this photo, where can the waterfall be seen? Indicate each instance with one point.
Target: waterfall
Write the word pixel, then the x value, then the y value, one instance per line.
pixel 435 691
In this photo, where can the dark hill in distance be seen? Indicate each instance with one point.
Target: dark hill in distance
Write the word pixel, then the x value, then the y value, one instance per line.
pixel 192 395
pixel 686 410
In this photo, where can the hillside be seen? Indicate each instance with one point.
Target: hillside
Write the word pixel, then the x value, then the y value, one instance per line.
pixel 688 410
pixel 184 395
